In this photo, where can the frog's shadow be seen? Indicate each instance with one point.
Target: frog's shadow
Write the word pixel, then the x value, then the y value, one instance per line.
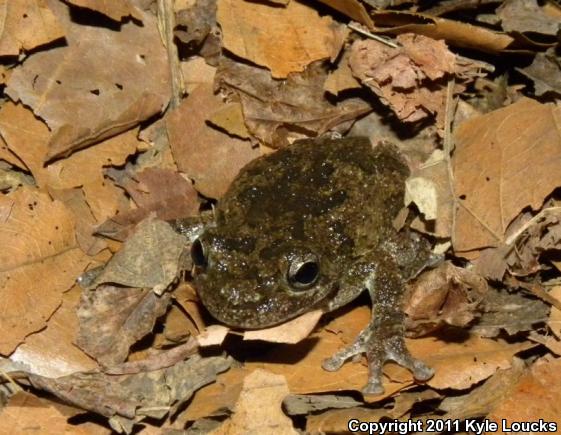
pixel 259 351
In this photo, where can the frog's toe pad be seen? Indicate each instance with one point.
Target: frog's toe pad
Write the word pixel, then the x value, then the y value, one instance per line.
pixel 421 371
pixel 374 386
pixel 332 364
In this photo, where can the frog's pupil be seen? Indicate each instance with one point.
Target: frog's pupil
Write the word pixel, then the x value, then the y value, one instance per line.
pixel 306 274
pixel 198 253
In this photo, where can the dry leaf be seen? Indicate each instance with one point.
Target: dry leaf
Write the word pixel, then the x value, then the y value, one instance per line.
pixel 26 413
pixel 28 138
pixel 435 170
pixel 352 9
pixel 212 335
pixel 484 398
pixel 51 352
pixel 536 395
pixel 196 72
pixel 112 319
pixel 135 396
pixel 230 118
pixel 40 261
pixel 279 111
pixel 26 24
pixel 504 161
pixel 206 155
pixel 554 321
pixel 148 259
pixel 509 312
pixel 114 9
pixel 445 295
pixel 545 72
pixel 284 40
pixel 407 78
pixel 84 98
pixel 455 33
pixel 217 398
pixel 292 332
pixel 527 16
pixel 258 409
pixel 423 193
pixel 163 192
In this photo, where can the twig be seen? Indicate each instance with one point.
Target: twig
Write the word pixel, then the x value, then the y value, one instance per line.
pixel 166 24
pixel 551 210
pixel 381 39
pixel 448 117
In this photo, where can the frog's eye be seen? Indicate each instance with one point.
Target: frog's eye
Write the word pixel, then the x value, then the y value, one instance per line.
pixel 303 272
pixel 198 253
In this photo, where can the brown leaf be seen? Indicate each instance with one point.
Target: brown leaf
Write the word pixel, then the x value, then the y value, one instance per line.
pixel 509 312
pixel 75 201
pixel 258 409
pixel 454 33
pixel 84 98
pixel 258 32
pixel 163 192
pixel 112 319
pixel 445 295
pixel 337 420
pixel 149 258
pixel 26 24
pixel 504 161
pixel 40 260
pixel 206 155
pixel 554 321
pixel 51 352
pixel 405 78
pixel 292 331
pixel 26 413
pixel 352 9
pixel 114 9
pixel 527 16
pixel 484 398
pixel 217 398
pixel 278 110
pixel 196 72
pixel 535 395
pixel 435 170
pixel 230 118
pixel 296 362
pixel 152 393
pixel 545 72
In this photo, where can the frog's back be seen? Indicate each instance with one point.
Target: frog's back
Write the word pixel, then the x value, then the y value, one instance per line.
pixel 316 179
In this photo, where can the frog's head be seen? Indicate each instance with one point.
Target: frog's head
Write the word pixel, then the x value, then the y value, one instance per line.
pixel 253 282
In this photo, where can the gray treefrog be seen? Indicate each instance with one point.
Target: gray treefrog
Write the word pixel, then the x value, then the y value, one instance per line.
pixel 310 227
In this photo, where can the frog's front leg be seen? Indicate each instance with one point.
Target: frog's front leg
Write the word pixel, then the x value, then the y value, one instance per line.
pixel 382 340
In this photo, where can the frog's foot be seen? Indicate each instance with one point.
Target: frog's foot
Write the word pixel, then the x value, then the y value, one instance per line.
pixel 379 348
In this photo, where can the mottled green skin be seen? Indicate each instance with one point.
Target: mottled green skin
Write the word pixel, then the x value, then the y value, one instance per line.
pixel 334 199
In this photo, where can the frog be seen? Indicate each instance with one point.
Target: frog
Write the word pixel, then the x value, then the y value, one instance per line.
pixel 308 227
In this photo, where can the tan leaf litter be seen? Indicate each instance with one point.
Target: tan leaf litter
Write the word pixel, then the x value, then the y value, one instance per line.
pixel 203 153
pixel 52 352
pixel 401 76
pixel 259 407
pixel 284 39
pixel 114 9
pixel 26 24
pixel 291 332
pixel 25 412
pixel 536 395
pixel 40 261
pixel 84 98
pixel 504 161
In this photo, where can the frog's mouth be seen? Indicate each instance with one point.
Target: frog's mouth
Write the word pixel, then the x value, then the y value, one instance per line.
pixel 249 309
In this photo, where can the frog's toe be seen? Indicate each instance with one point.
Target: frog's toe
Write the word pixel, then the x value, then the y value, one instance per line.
pixel 395 350
pixel 336 361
